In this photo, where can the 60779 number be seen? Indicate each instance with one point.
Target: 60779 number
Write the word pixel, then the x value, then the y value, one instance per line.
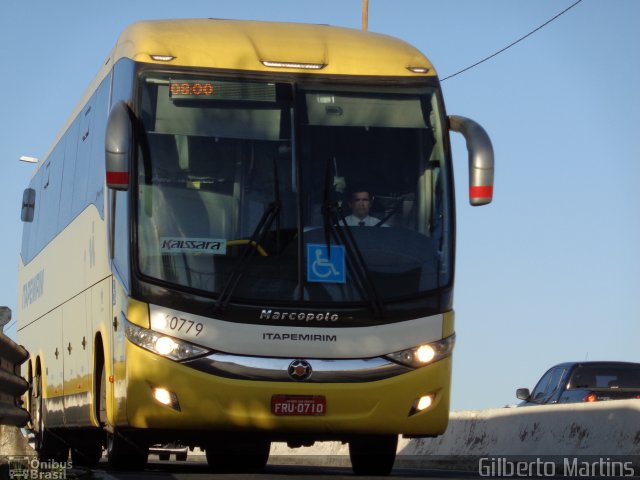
pixel 179 324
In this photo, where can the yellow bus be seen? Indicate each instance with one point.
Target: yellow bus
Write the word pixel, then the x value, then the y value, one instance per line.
pixel 245 234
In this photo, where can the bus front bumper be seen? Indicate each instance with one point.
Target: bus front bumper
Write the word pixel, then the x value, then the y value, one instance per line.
pixel 164 394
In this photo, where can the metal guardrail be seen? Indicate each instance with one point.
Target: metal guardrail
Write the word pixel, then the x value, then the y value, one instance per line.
pixel 12 385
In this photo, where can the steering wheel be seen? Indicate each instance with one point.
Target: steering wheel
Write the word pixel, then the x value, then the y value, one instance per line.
pixel 261 251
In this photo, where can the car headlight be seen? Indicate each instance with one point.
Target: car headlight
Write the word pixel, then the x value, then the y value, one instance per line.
pixel 424 354
pixel 161 344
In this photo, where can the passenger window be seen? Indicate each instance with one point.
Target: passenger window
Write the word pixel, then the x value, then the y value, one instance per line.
pixel 83 159
pixel 67 213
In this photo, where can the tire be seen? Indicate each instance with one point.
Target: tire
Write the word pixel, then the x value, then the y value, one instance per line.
pixel 164 457
pixel 181 457
pixel 373 454
pixel 50 447
pixel 125 454
pixel 248 455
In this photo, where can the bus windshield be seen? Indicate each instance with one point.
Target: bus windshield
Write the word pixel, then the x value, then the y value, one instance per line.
pixel 329 194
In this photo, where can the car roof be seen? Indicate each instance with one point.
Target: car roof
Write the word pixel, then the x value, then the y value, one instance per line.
pixel 601 363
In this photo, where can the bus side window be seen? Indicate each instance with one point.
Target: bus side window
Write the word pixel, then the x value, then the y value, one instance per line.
pixel 49 197
pixel 67 213
pixel 83 158
pixel 28 205
pixel 95 185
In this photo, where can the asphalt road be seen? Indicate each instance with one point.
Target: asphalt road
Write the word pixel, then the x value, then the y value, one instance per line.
pixel 197 470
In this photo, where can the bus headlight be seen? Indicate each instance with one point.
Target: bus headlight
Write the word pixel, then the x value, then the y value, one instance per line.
pixel 424 354
pixel 155 342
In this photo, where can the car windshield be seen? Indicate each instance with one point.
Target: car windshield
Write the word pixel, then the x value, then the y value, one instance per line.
pixel 248 190
pixel 603 376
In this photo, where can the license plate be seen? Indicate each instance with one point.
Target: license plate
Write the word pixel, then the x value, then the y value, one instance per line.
pixel 313 405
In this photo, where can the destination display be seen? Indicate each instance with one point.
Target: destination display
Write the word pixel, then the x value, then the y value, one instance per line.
pixel 199 89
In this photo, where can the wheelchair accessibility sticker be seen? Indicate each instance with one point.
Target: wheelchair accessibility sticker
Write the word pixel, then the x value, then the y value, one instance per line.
pixel 322 267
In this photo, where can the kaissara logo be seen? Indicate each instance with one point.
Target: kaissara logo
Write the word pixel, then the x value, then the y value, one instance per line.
pixel 211 246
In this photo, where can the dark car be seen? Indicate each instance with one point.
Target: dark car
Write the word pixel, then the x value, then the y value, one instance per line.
pixel 574 382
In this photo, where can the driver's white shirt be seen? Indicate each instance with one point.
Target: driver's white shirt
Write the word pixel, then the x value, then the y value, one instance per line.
pixel 367 221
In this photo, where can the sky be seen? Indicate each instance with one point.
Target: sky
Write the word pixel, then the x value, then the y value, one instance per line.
pixel 545 274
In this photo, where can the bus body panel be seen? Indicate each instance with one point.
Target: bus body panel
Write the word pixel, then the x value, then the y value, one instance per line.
pixel 117 386
pixel 76 259
pixel 60 317
pixel 298 340
pixel 245 45
pixel 208 402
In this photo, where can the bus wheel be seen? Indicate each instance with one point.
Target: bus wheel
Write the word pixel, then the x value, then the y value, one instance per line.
pixel 373 454
pixel 123 453
pixel 238 455
pixel 50 447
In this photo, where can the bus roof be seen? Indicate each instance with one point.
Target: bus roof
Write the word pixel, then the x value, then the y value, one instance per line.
pixel 252 45
pixel 245 45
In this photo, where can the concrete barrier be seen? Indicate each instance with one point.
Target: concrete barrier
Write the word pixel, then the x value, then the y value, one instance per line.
pixel 589 430
pixel 12 444
pixel 599 428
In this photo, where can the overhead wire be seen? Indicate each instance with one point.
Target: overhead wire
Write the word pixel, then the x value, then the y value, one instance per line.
pixel 513 43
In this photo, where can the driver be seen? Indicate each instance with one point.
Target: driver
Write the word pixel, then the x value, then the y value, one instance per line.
pixel 360 204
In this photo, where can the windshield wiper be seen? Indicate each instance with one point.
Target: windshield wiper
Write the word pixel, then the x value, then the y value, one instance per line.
pixel 333 219
pixel 271 214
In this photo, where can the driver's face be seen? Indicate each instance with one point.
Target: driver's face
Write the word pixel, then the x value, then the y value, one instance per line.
pixel 360 204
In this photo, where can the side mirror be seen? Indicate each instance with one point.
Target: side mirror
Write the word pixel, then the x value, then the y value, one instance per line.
pixel 118 146
pixel 28 205
pixel 480 159
pixel 5 316
pixel 523 394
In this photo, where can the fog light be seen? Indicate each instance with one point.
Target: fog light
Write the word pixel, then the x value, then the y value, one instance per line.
pixel 421 404
pixel 166 397
pixel 424 402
